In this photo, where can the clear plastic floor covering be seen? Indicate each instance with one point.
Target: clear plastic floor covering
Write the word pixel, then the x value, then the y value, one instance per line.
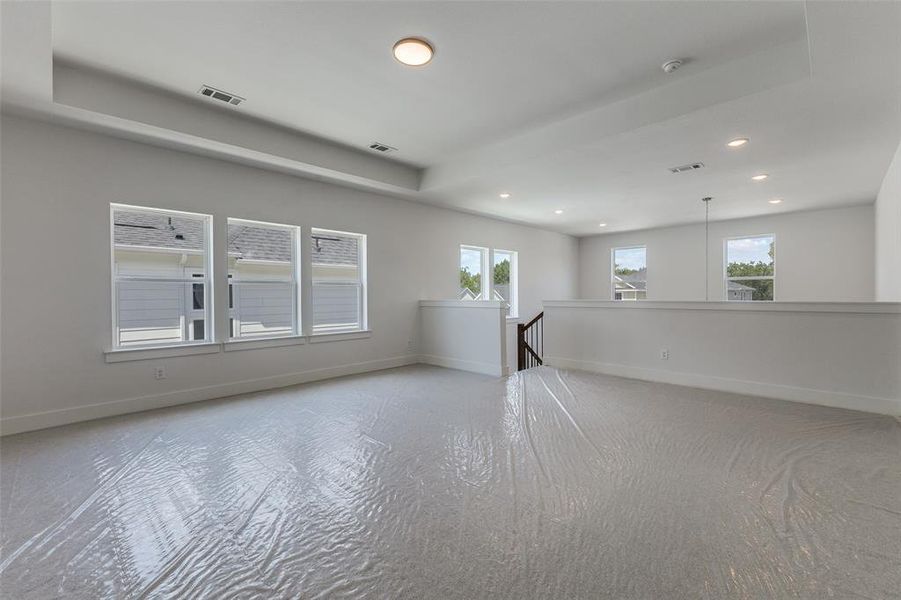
pixel 429 483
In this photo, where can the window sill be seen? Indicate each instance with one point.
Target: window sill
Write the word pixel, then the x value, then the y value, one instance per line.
pixel 317 338
pixel 132 354
pixel 129 354
pixel 269 342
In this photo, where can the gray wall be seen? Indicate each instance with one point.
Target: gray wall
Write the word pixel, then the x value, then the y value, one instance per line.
pixel 888 234
pixel 821 256
pixel 843 355
pixel 57 184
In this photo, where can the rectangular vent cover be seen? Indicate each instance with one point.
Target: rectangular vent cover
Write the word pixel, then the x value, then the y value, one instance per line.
pixel 211 92
pixel 683 168
pixel 380 147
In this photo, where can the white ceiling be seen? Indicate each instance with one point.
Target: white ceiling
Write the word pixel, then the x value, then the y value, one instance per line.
pixel 562 104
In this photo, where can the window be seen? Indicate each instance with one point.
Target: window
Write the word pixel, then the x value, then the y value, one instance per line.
pixel 473 262
pixel 161 269
pixel 339 281
pixel 751 268
pixel 501 285
pixel 630 273
pixel 263 279
pixel 503 280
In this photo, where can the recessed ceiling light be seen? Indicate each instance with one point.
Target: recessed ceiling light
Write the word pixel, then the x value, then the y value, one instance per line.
pixel 414 52
pixel 559 211
pixel 760 177
pixel 737 143
pixel 504 195
pixel 775 201
pixel 602 224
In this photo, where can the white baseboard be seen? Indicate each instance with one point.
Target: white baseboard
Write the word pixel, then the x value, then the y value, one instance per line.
pixel 463 365
pixel 873 404
pixel 34 421
pixel 42 420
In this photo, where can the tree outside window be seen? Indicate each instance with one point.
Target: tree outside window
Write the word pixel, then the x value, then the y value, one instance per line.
pixel 751 269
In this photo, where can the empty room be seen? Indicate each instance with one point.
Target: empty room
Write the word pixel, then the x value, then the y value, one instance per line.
pixel 450 299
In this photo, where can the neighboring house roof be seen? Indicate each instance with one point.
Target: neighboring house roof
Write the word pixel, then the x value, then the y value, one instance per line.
pixel 633 281
pixel 333 249
pixel 257 243
pixel 637 281
pixel 244 241
pixel 157 231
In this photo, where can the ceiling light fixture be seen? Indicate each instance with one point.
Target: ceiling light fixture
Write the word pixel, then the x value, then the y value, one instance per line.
pixel 559 211
pixel 602 224
pixel 671 65
pixel 413 52
pixel 775 201
pixel 504 195
pixel 737 142
pixel 760 177
pixel 706 200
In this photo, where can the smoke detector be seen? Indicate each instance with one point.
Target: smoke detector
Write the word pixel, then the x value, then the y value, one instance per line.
pixel 671 65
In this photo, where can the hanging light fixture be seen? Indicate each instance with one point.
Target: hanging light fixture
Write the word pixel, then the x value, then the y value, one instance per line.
pixel 706 202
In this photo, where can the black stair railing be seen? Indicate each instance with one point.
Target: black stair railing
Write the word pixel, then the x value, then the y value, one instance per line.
pixel 530 343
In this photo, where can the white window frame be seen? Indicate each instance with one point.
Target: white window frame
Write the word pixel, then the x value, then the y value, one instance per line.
pixel 514 280
pixel 613 272
pixel 727 279
pixel 295 282
pixel 362 270
pixel 485 266
pixel 206 280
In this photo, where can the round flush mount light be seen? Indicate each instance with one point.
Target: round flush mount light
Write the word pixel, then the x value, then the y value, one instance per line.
pixel 759 177
pixel 602 224
pixel 559 211
pixel 775 201
pixel 413 52
pixel 504 195
pixel 737 142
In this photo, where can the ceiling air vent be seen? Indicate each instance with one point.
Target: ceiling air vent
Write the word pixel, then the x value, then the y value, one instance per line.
pixel 211 92
pixel 380 147
pixel 683 168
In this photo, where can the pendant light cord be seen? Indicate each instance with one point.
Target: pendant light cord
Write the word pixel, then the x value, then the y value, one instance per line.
pixel 706 202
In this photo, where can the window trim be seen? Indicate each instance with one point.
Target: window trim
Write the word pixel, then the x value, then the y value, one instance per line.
pixel 514 280
pixel 338 336
pixel 208 299
pixel 297 329
pixel 239 344
pixel 727 279
pixel 362 281
pixel 613 271
pixel 152 353
pixel 484 266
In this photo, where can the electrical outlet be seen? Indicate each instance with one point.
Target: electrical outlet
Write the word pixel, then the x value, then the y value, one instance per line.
pixel 159 373
pixel 664 354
